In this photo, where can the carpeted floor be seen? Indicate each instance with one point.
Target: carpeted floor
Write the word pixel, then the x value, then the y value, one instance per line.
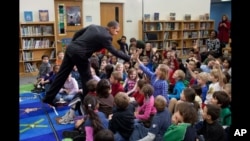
pixel 26 88
pixel 37 120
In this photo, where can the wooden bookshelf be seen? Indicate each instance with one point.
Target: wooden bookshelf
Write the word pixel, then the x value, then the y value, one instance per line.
pixel 186 33
pixel 36 39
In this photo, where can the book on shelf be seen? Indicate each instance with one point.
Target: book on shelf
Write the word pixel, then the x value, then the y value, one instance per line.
pixel 152 36
pixel 159 26
pixel 28 16
pixel 29 67
pixel 172 16
pixel 176 26
pixel 156 16
pixel 201 17
pixel 206 16
pixel 174 35
pixel 187 17
pixel 43 15
pixel 146 17
pixel 47 30
pixel 52 54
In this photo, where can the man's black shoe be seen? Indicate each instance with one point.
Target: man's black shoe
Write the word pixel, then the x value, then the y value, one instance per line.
pixel 49 102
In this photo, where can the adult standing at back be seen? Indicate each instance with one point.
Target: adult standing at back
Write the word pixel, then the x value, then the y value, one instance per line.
pixel 224 30
pixel 84 43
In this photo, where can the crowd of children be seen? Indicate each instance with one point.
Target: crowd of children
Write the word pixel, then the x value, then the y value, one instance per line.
pixel 157 97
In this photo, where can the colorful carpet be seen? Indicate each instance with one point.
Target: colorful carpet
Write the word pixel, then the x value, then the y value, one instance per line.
pixel 37 120
pixel 26 88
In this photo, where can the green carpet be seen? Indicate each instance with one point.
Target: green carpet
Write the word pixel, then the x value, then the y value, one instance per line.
pixel 26 88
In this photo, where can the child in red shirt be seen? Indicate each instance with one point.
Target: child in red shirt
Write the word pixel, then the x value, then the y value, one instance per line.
pixel 115 80
pixel 137 97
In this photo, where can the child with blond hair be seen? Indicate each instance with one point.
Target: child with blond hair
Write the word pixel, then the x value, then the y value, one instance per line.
pixel 216 78
pixel 202 80
pixel 179 77
pixel 158 79
pixel 115 80
pixel 120 67
pixel 130 82
pixel 60 56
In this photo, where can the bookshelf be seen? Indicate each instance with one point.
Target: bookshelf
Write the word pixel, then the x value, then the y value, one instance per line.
pixel 186 33
pixel 36 39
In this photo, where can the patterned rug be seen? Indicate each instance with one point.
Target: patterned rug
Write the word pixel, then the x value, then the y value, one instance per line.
pixel 37 120
pixel 26 88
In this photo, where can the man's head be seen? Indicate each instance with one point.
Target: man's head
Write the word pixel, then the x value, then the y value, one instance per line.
pixel 113 27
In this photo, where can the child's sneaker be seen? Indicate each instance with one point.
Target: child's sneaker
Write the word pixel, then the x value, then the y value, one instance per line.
pixel 60 120
pixel 66 119
pixel 61 102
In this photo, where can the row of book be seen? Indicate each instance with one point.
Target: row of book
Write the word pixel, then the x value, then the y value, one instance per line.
pixel 28 55
pixel 37 43
pixel 30 67
pixel 37 30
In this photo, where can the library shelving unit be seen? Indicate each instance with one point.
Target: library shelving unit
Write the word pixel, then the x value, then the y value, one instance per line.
pixel 36 39
pixel 186 33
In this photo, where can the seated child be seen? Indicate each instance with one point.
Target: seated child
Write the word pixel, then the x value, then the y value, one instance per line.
pixel 75 104
pixel 221 99
pixel 91 123
pixel 179 77
pixel 60 56
pixel 146 112
pixel 115 80
pixel 182 127
pixel 66 94
pixel 160 123
pixel 210 129
pixel 137 98
pixel 44 70
pixel 104 97
pixel 122 121
pixel 130 82
pixel 198 92
pixel 120 68
pixel 104 135
pixel 46 80
pixel 187 95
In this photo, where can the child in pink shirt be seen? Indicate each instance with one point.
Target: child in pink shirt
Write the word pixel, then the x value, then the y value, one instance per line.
pixel 147 110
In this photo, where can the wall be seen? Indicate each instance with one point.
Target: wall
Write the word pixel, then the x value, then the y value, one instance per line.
pixel 34 6
pixel 218 9
pixel 132 10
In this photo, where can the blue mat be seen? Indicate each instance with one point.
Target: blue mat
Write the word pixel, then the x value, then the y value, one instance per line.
pixel 37 120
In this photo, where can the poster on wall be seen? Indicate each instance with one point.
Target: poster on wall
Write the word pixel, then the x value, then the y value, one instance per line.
pixel 28 16
pixel 43 15
pixel 73 15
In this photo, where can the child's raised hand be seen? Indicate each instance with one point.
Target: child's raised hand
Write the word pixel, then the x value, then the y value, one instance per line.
pixel 110 116
pixel 175 119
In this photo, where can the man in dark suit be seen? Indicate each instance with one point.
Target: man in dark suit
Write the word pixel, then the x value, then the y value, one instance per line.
pixel 84 43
